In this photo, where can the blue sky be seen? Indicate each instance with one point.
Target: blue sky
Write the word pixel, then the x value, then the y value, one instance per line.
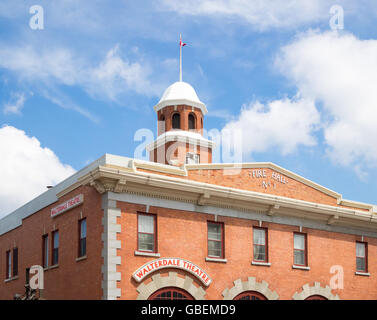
pixel 303 95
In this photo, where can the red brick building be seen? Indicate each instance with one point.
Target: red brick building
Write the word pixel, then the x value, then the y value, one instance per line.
pixel 182 227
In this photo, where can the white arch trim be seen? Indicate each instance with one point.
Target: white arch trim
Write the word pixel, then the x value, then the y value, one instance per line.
pixel 250 285
pixel 308 291
pixel 172 280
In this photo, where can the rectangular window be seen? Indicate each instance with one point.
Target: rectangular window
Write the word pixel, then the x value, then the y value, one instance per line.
pixel 82 237
pixel 192 158
pixel 361 257
pixel 146 232
pixel 15 262
pixel 300 254
pixel 260 244
pixel 215 239
pixel 55 248
pixel 45 251
pixel 8 260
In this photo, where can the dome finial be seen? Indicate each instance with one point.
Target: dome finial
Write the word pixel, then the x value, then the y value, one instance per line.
pixel 181 44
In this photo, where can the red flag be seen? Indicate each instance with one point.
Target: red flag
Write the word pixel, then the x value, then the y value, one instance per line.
pixel 182 44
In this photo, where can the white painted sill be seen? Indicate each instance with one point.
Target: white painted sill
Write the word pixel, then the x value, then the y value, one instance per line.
pixel 147 254
pixel 81 258
pixel 365 274
pixel 209 259
pixel 259 263
pixel 11 279
pixel 300 267
pixel 53 267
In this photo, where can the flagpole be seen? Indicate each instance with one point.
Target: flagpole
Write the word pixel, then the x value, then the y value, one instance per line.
pixel 180 58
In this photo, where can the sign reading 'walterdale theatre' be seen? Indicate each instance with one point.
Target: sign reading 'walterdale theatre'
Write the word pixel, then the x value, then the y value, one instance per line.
pixel 179 263
pixel 65 206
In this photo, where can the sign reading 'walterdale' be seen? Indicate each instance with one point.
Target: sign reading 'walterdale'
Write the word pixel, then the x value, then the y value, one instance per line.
pixel 65 206
pixel 179 263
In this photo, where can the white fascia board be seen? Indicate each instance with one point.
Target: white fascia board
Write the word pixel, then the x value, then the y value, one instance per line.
pixel 177 102
pixel 180 136
pixel 232 193
pixel 160 167
pixel 227 193
pixel 119 161
pixel 357 204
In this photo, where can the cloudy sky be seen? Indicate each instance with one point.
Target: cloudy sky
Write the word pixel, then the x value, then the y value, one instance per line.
pixel 303 94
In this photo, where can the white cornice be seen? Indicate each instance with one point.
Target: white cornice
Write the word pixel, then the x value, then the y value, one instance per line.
pixel 178 102
pixel 204 193
pixel 159 167
pixel 191 138
pixel 356 204
pixel 105 179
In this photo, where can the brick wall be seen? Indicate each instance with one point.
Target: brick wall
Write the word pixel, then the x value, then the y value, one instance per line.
pixel 178 151
pixel 71 280
pixel 184 112
pixel 183 234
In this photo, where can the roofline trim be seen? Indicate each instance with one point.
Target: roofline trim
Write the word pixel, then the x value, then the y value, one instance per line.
pixel 224 196
pixel 179 136
pixel 176 102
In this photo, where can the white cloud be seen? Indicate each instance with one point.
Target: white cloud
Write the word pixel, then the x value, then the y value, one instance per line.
pixel 109 79
pixel 114 76
pixel 31 64
pixel 16 105
pixel 340 72
pixel 27 168
pixel 260 14
pixel 281 124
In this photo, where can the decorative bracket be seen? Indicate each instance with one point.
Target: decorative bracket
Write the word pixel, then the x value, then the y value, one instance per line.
pixel 120 185
pixel 98 186
pixel 273 209
pixel 332 219
pixel 203 198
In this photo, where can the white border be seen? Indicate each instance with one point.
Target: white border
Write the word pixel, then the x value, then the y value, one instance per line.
pixel 171 266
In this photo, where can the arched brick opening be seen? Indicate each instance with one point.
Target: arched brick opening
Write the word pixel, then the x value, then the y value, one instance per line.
pixel 316 290
pixel 250 285
pixel 172 280
pixel 171 293
pixel 176 121
pixel 191 121
pixel 316 297
pixel 250 295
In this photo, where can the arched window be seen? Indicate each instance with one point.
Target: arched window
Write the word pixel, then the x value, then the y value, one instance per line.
pixel 191 121
pixel 176 121
pixel 316 297
pixel 171 293
pixel 250 295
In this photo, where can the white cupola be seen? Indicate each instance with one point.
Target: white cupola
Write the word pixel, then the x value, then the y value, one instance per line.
pixel 180 93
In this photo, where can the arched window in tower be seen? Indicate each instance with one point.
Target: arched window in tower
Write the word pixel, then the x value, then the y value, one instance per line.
pixel 176 121
pixel 191 121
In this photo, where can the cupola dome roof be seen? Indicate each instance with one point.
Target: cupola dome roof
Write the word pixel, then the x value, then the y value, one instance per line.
pixel 180 93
